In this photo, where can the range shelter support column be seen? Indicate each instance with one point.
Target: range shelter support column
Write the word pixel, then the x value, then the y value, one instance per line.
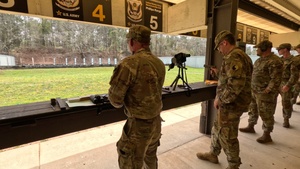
pixel 221 15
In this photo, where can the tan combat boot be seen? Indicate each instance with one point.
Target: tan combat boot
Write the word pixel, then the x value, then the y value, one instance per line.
pixel 248 129
pixel 286 123
pixel 265 138
pixel 208 157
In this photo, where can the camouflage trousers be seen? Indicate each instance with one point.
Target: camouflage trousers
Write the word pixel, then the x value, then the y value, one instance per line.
pixel 138 144
pixel 263 105
pixel 287 106
pixel 224 136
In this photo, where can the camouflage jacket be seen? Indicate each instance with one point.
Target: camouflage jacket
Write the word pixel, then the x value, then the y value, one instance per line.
pixel 297 59
pixel 234 81
pixel 137 83
pixel 290 73
pixel 267 74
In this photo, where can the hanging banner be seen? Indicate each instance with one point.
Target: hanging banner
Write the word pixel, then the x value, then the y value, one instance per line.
pixel 248 35
pixel 134 11
pixel 254 36
pixel 153 15
pixel 251 35
pixel 14 5
pixel 193 33
pixel 239 32
pixel 264 35
pixel 68 9
pixel 98 11
pixel 144 12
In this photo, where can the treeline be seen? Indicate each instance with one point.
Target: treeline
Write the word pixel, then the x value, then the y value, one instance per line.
pixel 25 36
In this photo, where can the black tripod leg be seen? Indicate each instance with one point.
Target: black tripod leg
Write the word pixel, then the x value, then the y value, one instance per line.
pixel 176 79
pixel 175 82
pixel 185 83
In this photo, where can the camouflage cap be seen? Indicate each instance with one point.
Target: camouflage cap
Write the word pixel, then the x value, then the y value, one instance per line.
pixel 140 33
pixel 265 44
pixel 287 46
pixel 220 37
pixel 296 47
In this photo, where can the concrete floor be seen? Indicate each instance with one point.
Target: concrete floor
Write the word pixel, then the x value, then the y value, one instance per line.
pixel 181 140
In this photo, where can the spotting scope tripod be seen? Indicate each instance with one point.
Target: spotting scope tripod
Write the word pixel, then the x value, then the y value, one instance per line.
pixel 181 71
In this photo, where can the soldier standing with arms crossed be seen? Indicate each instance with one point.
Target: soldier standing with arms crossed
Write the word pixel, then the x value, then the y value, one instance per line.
pixel 266 78
pixel 137 83
pixel 232 99
pixel 290 76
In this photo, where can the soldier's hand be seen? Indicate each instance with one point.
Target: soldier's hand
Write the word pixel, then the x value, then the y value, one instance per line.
pixel 216 103
pixel 213 71
pixel 267 90
pixel 285 88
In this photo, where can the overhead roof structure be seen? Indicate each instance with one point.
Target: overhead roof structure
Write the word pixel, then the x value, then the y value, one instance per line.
pixel 289 9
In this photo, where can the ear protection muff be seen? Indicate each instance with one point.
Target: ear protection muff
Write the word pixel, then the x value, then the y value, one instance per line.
pixel 131 42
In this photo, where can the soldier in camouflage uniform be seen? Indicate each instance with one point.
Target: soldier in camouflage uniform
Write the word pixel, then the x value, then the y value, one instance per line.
pixel 290 76
pixel 296 88
pixel 266 78
pixel 232 99
pixel 137 83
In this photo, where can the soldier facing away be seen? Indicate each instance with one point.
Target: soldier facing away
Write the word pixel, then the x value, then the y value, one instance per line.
pixel 137 83
pixel 232 99
pixel 266 78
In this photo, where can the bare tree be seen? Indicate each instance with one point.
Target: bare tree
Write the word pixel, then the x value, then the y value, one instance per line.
pixel 40 37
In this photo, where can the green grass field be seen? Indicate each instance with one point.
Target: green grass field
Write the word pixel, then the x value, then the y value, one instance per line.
pixel 21 86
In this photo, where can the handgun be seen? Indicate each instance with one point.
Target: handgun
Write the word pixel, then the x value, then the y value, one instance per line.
pixel 209 66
